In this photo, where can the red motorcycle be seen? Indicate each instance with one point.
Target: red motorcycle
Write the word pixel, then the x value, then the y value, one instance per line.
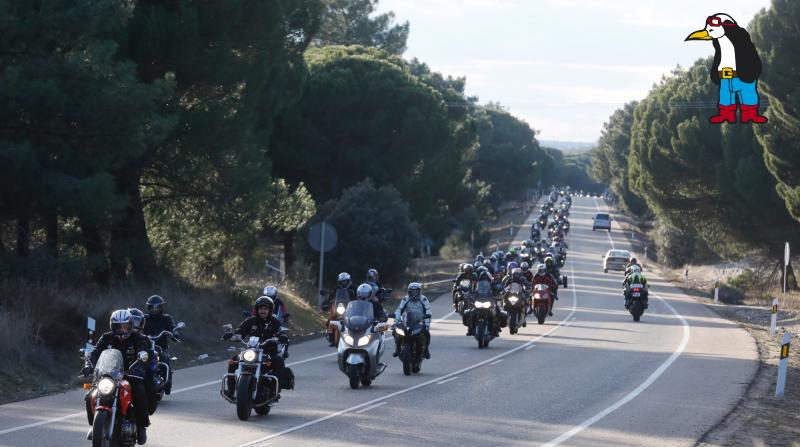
pixel 542 302
pixel 109 402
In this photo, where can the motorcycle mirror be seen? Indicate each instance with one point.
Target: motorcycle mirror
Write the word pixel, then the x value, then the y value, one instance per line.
pixel 144 356
pixel 180 325
pixel 227 328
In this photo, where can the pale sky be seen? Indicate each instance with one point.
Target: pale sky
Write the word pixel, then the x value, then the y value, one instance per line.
pixel 561 65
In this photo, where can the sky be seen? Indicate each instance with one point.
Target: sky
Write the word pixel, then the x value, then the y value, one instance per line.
pixel 563 66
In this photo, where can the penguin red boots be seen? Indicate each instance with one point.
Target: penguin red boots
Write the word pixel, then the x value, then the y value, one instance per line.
pixel 726 113
pixel 750 113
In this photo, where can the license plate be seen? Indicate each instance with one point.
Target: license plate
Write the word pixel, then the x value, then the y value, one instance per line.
pixel 636 294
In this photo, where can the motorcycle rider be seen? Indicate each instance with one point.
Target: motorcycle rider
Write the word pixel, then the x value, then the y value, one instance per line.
pixel 137 326
pixel 263 325
pixel 122 337
pixel 280 311
pixel 635 277
pixel 633 261
pixel 155 322
pixel 379 292
pixel 364 293
pixel 468 273
pixel 526 271
pixel 542 277
pixel 342 282
pixel 415 300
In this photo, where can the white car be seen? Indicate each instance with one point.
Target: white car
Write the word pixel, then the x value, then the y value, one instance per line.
pixel 616 260
pixel 602 221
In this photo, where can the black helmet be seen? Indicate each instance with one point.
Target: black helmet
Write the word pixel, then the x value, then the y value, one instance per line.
pixel 633 260
pixel 264 301
pixel 137 320
pixel 155 305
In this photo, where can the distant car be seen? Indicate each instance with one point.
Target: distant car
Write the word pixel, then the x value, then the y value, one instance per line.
pixel 601 221
pixel 616 260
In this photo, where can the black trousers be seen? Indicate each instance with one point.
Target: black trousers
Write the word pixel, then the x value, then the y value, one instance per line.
pixel 140 402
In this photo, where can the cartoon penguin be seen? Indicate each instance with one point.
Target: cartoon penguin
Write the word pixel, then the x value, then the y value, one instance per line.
pixel 736 68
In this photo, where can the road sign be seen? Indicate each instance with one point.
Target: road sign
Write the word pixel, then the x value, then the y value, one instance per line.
pixel 322 235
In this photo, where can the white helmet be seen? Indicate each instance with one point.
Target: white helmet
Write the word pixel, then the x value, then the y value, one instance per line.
pixel 121 323
pixel 343 277
pixel 414 290
pixel 364 291
pixel 271 291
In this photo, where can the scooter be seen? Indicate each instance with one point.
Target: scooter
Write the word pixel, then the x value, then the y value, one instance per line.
pixel 361 344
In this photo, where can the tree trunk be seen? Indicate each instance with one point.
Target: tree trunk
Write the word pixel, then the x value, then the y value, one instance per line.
pixel 129 240
pixel 23 235
pixel 288 250
pixel 51 228
pixel 95 255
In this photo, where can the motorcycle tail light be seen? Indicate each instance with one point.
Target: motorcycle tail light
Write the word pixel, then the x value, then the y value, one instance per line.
pixel 636 289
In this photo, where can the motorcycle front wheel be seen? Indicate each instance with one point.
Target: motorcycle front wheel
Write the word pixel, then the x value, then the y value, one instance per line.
pixel 405 357
pixel 354 375
pixel 244 397
pixel 100 429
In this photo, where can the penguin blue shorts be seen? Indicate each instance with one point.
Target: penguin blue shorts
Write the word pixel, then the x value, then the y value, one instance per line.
pixel 731 89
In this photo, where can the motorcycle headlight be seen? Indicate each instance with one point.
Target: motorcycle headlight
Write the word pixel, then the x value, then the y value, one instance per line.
pixel 249 355
pixel 536 295
pixel 340 309
pixel 105 386
pixel 363 340
pixel 349 340
pixel 400 331
pixel 483 304
pixel 513 299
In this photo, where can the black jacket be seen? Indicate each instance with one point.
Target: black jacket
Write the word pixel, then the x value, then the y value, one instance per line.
pixel 154 324
pixel 129 347
pixel 748 64
pixel 257 327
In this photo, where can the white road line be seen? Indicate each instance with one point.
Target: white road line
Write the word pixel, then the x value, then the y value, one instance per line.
pixel 495 362
pixel 259 442
pixel 371 407
pixel 447 380
pixel 530 347
pixel 178 391
pixel 641 388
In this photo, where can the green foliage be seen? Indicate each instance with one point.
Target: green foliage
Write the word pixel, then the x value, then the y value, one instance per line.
pixel 775 33
pixel 374 230
pixel 508 158
pixel 696 176
pixel 353 22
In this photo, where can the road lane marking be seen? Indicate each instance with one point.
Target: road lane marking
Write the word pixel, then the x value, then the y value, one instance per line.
pixel 495 362
pixel 371 407
pixel 180 390
pixel 530 347
pixel 641 388
pixel 259 442
pixel 447 380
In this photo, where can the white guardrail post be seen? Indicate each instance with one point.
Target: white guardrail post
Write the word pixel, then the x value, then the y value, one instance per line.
pixel 783 364
pixel 773 324
pixel 716 292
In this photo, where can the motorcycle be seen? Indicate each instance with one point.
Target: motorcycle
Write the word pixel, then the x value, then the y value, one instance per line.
pixel 361 345
pixel 412 341
pixel 163 377
pixel 636 301
pixel 462 293
pixel 515 303
pixel 481 317
pixel 109 401
pixel 336 313
pixel 542 302
pixel 254 385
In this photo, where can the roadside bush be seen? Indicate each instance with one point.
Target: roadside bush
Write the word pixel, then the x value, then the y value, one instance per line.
pixel 674 246
pixel 455 247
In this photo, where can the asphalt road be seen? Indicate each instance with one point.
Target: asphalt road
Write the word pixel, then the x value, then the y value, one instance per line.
pixel 589 376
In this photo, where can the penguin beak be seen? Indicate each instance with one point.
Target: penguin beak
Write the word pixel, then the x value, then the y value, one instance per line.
pixel 699 35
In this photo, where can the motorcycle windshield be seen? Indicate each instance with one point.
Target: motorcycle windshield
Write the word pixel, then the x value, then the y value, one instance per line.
pixel 484 288
pixel 110 364
pixel 413 319
pixel 358 316
pixel 465 284
pixel 342 296
pixel 540 288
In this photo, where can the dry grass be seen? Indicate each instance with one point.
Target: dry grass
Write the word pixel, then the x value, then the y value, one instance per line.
pixel 42 326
